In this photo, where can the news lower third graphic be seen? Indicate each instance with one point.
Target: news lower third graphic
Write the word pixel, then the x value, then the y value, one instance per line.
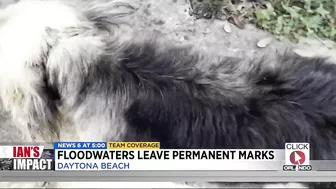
pixel 148 156
pixel 297 157
pixel 31 158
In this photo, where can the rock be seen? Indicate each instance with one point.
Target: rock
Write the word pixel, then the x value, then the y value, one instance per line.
pixel 227 27
pixel 264 42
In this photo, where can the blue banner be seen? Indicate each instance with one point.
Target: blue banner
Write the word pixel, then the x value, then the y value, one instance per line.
pixel 80 145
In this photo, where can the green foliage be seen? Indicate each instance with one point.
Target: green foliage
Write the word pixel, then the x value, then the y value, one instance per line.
pixel 297 19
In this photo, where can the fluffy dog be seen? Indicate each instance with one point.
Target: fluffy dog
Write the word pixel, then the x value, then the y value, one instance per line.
pixel 66 65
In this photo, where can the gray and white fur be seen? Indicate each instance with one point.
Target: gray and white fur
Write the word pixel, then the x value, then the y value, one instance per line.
pixel 68 71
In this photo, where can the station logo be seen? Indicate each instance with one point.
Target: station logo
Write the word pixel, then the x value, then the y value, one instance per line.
pixel 297 157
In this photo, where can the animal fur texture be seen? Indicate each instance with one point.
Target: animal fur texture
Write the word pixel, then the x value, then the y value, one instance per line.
pixel 70 71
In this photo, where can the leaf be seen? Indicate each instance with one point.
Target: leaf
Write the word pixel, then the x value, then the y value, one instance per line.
pixel 333 33
pixel 264 42
pixel 262 14
pixel 287 30
pixel 312 21
pixel 269 6
pixel 238 21
pixel 307 5
pixel 265 25
pixel 293 13
pixel 322 11
pixel 296 8
pixel 279 26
